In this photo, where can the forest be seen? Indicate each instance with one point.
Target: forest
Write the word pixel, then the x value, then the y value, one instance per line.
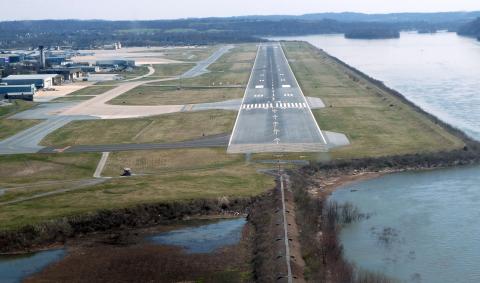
pixel 83 34
pixel 471 29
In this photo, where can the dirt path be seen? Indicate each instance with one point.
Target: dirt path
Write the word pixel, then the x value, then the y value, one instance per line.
pixel 295 262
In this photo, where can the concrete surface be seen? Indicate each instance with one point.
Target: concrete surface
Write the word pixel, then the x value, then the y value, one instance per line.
pixel 275 116
pixel 98 106
pixel 60 91
pixel 315 103
pixel 101 165
pixel 336 139
pixel 255 126
pixel 141 55
pixel 57 115
pixel 27 141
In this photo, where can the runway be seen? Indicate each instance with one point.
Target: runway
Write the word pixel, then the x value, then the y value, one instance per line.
pixel 275 116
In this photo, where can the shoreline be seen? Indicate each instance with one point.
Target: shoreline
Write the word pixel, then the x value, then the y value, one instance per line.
pixel 324 184
pixel 188 221
pixel 57 232
pixel 131 251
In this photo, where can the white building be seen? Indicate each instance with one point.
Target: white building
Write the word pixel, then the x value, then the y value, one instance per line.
pixel 40 80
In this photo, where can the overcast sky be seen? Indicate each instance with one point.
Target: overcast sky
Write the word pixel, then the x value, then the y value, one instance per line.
pixel 170 9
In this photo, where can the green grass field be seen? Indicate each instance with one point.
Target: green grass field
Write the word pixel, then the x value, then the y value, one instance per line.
pixel 34 168
pixel 171 95
pixel 189 54
pixel 28 175
pixel 164 128
pixel 9 127
pixel 376 122
pixel 233 68
pixel 162 71
pixel 169 70
pixel 172 175
pixel 91 90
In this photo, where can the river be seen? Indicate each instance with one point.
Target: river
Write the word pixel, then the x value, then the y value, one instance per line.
pixel 424 226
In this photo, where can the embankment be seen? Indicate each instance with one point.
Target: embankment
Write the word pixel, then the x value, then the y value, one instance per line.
pixel 356 74
pixel 320 221
pixel 264 239
pixel 60 230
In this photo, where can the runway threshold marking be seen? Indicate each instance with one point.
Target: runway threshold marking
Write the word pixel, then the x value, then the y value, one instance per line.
pixel 304 97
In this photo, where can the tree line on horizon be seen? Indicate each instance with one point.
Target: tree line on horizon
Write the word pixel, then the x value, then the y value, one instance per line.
pixel 83 34
pixel 471 29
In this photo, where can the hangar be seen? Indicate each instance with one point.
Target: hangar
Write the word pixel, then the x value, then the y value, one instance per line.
pixel 17 91
pixel 40 81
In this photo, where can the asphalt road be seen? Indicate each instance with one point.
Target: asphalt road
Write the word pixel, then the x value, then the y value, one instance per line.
pixel 275 115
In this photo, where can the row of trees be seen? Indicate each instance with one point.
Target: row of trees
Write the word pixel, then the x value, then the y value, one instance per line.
pixel 471 29
pixel 83 34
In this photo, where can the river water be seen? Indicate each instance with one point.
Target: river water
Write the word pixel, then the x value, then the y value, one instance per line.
pixel 439 72
pixel 425 226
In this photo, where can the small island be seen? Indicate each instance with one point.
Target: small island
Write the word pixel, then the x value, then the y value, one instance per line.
pixel 372 34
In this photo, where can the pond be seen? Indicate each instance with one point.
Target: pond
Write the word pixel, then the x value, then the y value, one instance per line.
pixel 14 268
pixel 204 238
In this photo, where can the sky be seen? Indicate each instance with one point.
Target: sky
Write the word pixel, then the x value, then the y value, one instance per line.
pixel 172 9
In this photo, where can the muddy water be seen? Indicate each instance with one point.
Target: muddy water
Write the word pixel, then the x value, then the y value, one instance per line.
pixel 16 268
pixel 204 238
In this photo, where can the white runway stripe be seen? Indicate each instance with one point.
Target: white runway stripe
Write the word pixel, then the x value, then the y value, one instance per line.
pixel 259 106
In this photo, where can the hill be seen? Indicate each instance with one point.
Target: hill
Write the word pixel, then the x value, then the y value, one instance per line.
pixel 471 29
